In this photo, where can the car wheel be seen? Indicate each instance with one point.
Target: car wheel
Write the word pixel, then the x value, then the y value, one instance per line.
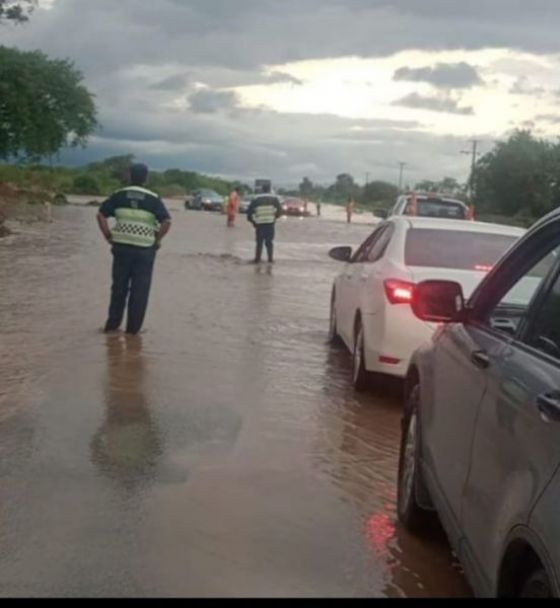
pixel 537 586
pixel 360 376
pixel 410 483
pixel 334 338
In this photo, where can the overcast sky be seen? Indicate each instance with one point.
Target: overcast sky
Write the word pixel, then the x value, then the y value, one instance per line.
pixel 293 88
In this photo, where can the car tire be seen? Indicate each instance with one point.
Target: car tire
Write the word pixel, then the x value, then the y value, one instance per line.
pixel 360 376
pixel 411 485
pixel 334 338
pixel 537 585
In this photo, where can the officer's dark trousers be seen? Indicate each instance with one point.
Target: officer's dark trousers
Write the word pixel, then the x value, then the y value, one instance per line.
pixel 132 279
pixel 265 236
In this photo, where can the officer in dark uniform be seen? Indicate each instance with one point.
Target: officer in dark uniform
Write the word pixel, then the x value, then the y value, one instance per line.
pixel 263 212
pixel 141 223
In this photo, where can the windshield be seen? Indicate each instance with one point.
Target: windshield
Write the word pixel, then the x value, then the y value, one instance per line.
pixel 463 250
pixel 437 208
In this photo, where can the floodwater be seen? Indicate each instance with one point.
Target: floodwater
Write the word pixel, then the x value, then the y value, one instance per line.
pixel 221 453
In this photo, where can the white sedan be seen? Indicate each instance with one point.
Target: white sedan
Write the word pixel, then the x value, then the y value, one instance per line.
pixel 371 298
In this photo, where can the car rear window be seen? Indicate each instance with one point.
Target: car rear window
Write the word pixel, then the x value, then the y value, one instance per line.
pixel 463 250
pixel 438 208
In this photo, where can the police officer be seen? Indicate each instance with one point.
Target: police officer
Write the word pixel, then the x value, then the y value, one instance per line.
pixel 263 212
pixel 141 223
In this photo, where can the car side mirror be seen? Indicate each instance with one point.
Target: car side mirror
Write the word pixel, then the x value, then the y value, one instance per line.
pixel 439 301
pixel 381 213
pixel 341 254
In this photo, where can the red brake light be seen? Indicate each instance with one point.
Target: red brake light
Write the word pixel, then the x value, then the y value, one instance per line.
pixel 399 292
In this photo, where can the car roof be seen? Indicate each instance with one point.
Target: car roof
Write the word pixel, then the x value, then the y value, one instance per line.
pixel 459 225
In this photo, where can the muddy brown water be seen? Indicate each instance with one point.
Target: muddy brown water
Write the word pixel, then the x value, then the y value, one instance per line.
pixel 221 453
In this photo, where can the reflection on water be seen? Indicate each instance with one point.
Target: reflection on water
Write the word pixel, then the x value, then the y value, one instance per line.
pixel 127 446
pixel 362 462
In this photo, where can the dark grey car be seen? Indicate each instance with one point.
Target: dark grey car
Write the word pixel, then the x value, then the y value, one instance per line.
pixel 481 430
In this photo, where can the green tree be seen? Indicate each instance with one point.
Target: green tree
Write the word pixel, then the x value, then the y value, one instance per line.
pixel 16 11
pixel 85 184
pixel 344 188
pixel 427 185
pixel 43 105
pixel 519 176
pixel 379 194
pixel 448 185
pixel 306 188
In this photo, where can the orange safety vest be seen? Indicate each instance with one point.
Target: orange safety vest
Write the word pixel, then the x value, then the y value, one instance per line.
pixel 233 203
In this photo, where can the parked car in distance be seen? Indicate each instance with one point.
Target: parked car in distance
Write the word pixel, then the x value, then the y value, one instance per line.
pixel 371 297
pixel 244 205
pixel 209 200
pixel 295 207
pixel 430 205
pixel 193 202
pixel 481 429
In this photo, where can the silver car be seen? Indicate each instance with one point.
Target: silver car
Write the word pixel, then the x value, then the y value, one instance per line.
pixel 481 428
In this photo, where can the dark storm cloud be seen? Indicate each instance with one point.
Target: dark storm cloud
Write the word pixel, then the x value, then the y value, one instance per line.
pixel 250 33
pixel 210 102
pixel 434 104
pixel 139 57
pixel 177 82
pixel 443 75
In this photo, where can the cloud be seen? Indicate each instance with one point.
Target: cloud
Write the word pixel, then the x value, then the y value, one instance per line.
pixel 177 82
pixel 550 118
pixel 207 101
pixel 277 77
pixel 164 73
pixel 434 104
pixel 443 75
pixel 522 86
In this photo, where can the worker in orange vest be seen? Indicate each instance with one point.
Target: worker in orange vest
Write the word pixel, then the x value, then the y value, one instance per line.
pixel 349 210
pixel 412 207
pixel 233 206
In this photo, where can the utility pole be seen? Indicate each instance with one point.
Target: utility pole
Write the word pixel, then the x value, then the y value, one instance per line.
pixel 474 155
pixel 401 173
pixel 367 179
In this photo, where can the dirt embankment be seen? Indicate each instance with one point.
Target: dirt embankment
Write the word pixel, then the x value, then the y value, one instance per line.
pixel 20 205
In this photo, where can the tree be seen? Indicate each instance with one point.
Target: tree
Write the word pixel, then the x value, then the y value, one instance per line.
pixel 85 184
pixel 519 176
pixel 379 193
pixel 344 188
pixel 448 185
pixel 306 188
pixel 16 10
pixel 116 167
pixel 43 105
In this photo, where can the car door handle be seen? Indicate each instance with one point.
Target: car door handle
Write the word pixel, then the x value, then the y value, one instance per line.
pixel 481 359
pixel 549 406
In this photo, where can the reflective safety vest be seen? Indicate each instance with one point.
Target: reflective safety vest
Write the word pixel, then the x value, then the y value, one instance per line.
pixel 134 225
pixel 265 214
pixel 265 209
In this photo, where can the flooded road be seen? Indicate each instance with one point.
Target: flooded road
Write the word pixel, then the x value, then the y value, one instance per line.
pixel 221 453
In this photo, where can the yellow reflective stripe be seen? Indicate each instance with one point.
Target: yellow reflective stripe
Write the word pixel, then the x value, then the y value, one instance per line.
pixel 135 215
pixel 139 189
pixel 265 214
